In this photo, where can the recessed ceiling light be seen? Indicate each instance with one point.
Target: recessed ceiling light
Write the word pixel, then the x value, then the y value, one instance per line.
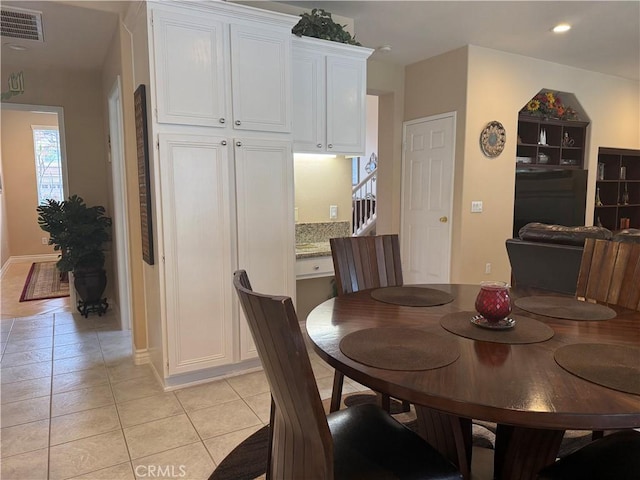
pixel 14 46
pixel 561 28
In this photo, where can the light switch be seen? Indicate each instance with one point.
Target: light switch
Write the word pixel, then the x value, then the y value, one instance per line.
pixel 333 212
pixel 296 213
pixel 476 206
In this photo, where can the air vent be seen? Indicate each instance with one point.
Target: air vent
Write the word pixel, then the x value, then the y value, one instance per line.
pixel 21 23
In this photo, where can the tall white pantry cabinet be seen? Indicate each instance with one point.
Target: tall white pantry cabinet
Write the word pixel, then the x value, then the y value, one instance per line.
pixel 219 106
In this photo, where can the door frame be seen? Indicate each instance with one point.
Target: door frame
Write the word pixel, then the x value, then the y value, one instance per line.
pixel 453 116
pixel 120 212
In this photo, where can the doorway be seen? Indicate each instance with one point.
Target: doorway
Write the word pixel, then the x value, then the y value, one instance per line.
pixel 120 213
pixel 427 198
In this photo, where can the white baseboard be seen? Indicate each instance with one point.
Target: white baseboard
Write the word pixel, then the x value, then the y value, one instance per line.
pixel 45 257
pixel 141 357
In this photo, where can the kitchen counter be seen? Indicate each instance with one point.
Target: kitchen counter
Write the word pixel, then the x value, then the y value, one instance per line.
pixel 312 249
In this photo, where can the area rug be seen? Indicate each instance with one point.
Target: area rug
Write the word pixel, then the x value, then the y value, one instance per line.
pixel 43 282
pixel 249 459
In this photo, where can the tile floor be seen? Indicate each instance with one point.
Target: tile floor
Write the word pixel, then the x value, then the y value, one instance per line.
pixel 73 404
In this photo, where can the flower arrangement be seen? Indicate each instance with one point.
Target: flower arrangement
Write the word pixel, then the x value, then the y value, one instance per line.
pixel 549 104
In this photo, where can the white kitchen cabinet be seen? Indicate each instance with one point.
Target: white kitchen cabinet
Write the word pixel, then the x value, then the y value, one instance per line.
pixel 265 197
pixel 197 225
pixel 329 97
pixel 222 194
pixel 314 267
pixel 218 71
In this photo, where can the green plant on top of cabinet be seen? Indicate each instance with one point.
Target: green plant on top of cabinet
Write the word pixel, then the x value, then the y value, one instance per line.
pixel 329 97
pixel 618 187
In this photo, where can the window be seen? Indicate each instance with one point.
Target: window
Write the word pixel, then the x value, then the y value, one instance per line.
pixel 46 147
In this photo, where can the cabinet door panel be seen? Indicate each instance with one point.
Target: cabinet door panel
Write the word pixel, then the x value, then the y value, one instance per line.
pixel 261 79
pixel 266 245
pixel 198 255
pixel 309 119
pixel 190 80
pixel 346 105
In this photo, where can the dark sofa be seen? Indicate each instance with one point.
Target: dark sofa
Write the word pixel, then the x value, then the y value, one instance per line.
pixel 548 256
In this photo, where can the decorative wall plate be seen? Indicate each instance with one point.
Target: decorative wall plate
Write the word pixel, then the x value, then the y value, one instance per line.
pixel 492 139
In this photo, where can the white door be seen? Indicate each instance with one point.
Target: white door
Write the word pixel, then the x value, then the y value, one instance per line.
pixel 427 195
pixel 190 69
pixel 261 78
pixel 346 105
pixel 196 205
pixel 266 237
pixel 120 215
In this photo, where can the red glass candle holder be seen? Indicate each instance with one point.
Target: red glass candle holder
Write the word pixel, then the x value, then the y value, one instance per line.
pixel 493 302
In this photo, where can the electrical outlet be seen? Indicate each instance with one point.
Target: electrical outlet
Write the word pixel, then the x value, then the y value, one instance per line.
pixel 45 241
pixel 296 213
pixel 487 269
pixel 333 212
pixel 476 206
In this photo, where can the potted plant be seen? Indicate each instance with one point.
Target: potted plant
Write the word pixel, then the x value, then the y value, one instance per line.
pixel 79 233
pixel 319 24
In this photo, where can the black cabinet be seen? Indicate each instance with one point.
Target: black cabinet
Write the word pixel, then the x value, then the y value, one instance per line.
pixel 550 143
pixel 617 202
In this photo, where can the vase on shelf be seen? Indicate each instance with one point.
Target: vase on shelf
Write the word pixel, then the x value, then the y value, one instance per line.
pixel 625 195
pixel 598 201
pixel 598 222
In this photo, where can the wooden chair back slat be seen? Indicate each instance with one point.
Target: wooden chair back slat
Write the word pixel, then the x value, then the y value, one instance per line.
pixel 366 262
pixel 629 289
pixel 610 273
pixel 302 446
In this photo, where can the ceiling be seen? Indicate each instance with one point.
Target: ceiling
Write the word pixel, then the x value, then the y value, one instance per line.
pixel 605 36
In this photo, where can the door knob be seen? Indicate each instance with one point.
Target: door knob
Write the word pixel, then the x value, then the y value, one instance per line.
pixel 444 219
pixel 222 120
pixel 238 122
pixel 223 143
pixel 238 144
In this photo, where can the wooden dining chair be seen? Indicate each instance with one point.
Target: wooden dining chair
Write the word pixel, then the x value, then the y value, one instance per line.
pixel 361 442
pixel 610 273
pixel 360 263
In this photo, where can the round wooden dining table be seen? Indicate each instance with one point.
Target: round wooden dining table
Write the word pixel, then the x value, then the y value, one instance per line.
pixel 519 386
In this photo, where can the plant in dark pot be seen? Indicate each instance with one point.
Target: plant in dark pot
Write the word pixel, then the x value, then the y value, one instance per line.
pixel 319 24
pixel 79 233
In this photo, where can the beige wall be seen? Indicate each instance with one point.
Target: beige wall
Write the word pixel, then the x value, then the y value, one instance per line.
pixel 118 63
pixel 4 237
pixel 79 93
pixel 320 182
pixel 434 86
pixel 20 192
pixel 495 86
pixel 387 82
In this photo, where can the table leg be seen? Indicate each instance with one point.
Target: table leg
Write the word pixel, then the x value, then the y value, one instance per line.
pixel 521 452
pixel 449 434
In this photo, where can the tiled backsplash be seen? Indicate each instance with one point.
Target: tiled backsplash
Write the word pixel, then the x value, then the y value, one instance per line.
pixel 321 231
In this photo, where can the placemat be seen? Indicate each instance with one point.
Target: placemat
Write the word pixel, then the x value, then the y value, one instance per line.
pixel 612 366
pixel 412 296
pixel 526 330
pixel 398 348
pixel 566 308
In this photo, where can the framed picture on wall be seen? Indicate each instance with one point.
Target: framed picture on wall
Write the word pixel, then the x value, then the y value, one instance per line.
pixel 144 185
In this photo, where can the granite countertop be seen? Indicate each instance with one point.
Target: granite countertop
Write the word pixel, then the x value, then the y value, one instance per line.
pixel 312 249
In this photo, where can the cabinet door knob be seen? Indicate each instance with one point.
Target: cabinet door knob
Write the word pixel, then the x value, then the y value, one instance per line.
pixel 238 144
pixel 316 267
pixel 319 145
pixel 444 219
pixel 223 143
pixel 238 122
pixel 330 145
pixel 222 120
